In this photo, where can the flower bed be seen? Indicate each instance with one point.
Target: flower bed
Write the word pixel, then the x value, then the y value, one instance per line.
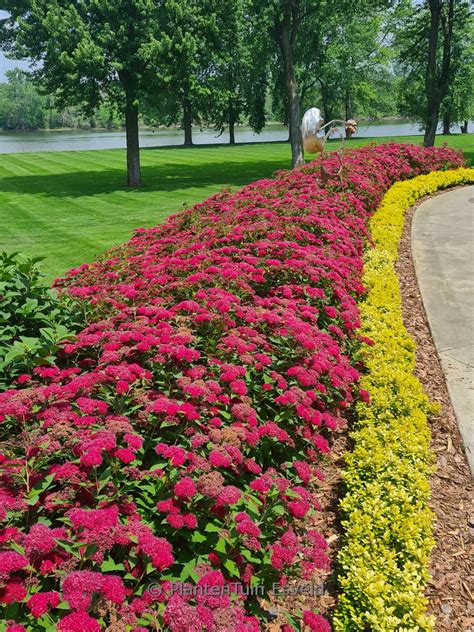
pixel 179 433
pixel 386 519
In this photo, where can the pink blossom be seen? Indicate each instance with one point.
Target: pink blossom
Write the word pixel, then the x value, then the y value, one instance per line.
pixel 298 508
pixel 92 458
pixel 158 550
pixel 41 539
pixel 185 488
pixel 175 520
pixel 11 561
pixel 218 459
pixel 13 591
pixel 190 521
pixel 125 455
pixel 122 387
pixel 113 589
pixel 239 387
pixel 134 441
pixel 40 603
pixel 228 496
pixel 78 622
pixel 316 622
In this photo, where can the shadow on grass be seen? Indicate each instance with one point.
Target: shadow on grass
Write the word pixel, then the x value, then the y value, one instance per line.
pixel 170 176
pixel 469 155
pixel 159 178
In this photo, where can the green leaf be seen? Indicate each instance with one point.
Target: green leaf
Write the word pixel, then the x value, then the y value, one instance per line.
pixel 38 489
pixel 232 568
pixel 249 556
pixel 109 565
pixel 279 510
pixel 187 569
pixel 212 528
pixel 198 537
pixel 16 547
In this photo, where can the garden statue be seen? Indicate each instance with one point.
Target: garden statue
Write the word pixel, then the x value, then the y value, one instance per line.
pixel 312 122
pixel 314 136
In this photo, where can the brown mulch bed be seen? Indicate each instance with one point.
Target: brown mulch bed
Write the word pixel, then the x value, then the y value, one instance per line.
pixel 451 589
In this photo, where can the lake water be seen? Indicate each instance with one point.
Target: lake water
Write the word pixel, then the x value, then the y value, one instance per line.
pixel 15 142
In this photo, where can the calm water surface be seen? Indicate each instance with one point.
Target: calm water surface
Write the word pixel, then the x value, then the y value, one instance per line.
pixel 15 142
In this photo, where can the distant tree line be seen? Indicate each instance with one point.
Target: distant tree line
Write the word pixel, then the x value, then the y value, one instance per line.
pixel 24 107
pixel 219 63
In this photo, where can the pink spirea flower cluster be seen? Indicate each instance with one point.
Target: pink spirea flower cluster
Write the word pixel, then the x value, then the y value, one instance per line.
pixel 178 435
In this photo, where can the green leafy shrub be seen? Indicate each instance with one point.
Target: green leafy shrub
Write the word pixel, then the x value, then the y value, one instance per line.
pixel 34 320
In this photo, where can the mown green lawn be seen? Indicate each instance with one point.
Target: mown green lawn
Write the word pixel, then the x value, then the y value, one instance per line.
pixel 70 206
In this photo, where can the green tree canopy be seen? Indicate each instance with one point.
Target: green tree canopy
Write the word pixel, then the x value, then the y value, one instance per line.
pixel 183 58
pixel 327 43
pixel 434 40
pixel 344 63
pixel 88 52
pixel 21 107
pixel 239 76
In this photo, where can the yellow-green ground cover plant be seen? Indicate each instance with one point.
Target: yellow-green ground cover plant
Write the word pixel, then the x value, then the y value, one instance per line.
pixel 387 521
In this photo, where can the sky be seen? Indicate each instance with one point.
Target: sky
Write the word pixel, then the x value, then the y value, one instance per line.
pixel 9 64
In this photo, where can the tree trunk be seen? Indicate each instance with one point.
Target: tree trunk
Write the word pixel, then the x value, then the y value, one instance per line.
pixel 437 85
pixel 432 90
pixel 130 87
pixel 465 127
pixel 431 127
pixel 231 125
pixel 187 121
pixel 297 156
pixel 446 123
pixel 287 120
pixel 287 38
pixel 133 146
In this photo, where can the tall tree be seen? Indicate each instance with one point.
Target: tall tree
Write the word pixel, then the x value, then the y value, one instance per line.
pixel 344 62
pixel 458 104
pixel 183 54
pixel 429 36
pixel 212 62
pixel 298 27
pixel 87 52
pixel 286 21
pixel 437 74
pixel 238 78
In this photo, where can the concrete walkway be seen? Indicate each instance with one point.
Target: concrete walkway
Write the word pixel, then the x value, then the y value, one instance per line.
pixel 443 253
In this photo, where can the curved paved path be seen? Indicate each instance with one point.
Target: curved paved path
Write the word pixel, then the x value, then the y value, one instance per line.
pixel 443 253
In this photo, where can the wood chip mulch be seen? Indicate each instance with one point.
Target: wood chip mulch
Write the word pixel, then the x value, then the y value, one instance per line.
pixel 451 589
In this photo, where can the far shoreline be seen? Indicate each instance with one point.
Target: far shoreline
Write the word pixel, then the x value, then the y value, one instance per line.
pixel 363 121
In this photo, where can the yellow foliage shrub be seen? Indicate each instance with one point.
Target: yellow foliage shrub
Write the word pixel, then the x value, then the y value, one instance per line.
pixel 385 515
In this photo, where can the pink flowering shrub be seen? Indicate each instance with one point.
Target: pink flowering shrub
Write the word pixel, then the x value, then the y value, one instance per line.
pixel 177 436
